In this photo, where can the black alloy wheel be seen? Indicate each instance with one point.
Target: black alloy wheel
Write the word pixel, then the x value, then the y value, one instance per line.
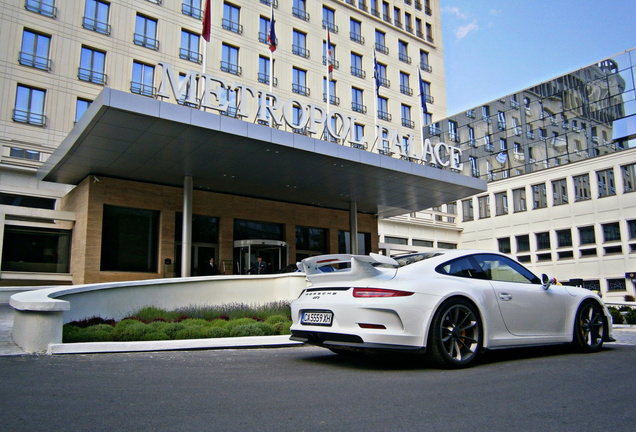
pixel 456 335
pixel 589 327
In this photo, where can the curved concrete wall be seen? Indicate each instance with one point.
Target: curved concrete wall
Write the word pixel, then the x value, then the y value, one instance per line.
pixel 40 314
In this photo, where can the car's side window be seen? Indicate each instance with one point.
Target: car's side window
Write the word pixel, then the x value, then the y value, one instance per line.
pixel 461 267
pixel 498 268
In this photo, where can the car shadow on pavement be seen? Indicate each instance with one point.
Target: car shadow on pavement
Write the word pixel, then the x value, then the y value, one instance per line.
pixel 397 362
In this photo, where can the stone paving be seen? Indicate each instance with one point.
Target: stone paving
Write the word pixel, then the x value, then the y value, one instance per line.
pixel 624 334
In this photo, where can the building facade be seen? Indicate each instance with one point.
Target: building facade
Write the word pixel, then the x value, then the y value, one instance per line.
pixel 560 161
pixel 350 73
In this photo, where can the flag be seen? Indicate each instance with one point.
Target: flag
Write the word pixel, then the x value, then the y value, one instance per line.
pixel 422 93
pixel 329 56
pixel 207 21
pixel 271 34
pixel 376 74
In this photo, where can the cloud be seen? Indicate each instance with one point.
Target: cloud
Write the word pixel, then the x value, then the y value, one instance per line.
pixel 455 11
pixel 463 31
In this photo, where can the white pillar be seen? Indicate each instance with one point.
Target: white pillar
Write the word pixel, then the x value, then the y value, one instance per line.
pixel 186 233
pixel 353 226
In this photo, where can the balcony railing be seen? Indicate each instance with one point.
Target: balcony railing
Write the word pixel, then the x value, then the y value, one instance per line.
pixel 232 26
pixel 192 56
pixel 408 123
pixel 29 117
pixel 358 72
pixel 300 89
pixel 356 37
pixel 38 6
pixel 231 68
pixel 264 79
pixel 145 41
pixel 333 100
pixel 329 25
pixel 97 26
pixel 381 48
pixel 29 59
pixel 91 76
pixel 404 58
pixel 359 107
pixel 406 90
pixel 383 115
pixel 192 11
pixel 299 13
pixel 143 89
pixel 300 51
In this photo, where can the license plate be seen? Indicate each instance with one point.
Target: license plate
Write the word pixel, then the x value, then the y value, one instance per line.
pixel 316 318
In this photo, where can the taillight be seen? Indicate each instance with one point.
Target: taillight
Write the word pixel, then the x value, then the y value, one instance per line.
pixel 379 292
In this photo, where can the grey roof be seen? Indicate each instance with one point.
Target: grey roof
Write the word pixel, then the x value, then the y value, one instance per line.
pixel 137 138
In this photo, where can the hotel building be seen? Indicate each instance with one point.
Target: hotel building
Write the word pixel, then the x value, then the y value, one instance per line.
pixel 134 149
pixel 560 162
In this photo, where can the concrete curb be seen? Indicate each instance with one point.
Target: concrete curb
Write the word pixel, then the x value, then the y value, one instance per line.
pixel 173 345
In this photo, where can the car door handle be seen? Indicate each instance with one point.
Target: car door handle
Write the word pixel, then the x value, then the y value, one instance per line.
pixel 505 296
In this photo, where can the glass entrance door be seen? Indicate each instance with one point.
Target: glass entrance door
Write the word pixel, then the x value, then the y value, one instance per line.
pixel 272 252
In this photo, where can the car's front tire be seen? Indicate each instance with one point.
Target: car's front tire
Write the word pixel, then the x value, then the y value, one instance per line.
pixel 456 334
pixel 589 327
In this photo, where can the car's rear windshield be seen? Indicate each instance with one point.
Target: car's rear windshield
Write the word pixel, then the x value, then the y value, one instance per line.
pixel 404 260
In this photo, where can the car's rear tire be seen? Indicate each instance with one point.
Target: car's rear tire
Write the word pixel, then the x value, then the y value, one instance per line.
pixel 456 335
pixel 590 325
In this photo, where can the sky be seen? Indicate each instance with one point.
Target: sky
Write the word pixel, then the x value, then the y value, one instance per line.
pixel 496 47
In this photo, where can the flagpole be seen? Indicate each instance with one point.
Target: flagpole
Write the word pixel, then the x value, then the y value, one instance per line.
pixel 375 99
pixel 423 108
pixel 327 62
pixel 271 53
pixel 205 36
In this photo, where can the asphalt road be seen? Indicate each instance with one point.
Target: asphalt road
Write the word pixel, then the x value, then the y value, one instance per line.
pixel 311 389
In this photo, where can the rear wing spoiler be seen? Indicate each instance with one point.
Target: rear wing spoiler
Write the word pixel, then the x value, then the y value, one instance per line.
pixel 361 266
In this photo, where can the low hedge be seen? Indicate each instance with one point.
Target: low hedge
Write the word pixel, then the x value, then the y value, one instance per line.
pixel 153 323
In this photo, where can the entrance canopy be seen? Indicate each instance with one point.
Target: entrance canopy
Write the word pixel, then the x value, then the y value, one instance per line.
pixel 132 137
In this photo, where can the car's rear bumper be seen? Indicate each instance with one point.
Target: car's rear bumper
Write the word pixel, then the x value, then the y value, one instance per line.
pixel 348 341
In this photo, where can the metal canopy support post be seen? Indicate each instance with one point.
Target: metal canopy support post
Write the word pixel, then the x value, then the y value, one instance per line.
pixel 186 234
pixel 353 226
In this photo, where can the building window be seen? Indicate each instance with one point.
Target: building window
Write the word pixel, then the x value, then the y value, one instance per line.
pixel 582 187
pixel 543 240
pixel 501 203
pixel 396 240
pixel 629 178
pixel 358 135
pixel 81 105
pixel 616 285
pixel 43 7
pixel 467 210
pixel 523 243
pixel 539 199
pixel 611 232
pixel 92 63
pixel 631 229
pixel 36 250
pixel 35 50
pixel 299 9
pixel 229 59
pixel 311 242
pixel 606 185
pixel 263 70
pixel 356 66
pixel 564 238
pixel 299 44
pixel 403 52
pixel 29 106
pixel 504 245
pixel 146 32
pixel 519 198
pixel 263 29
pixel 189 48
pixel 96 16
pixel 355 31
pixel 143 77
pixel 474 166
pixel 192 8
pixel 231 18
pixel 299 81
pixel 484 206
pixel 405 87
pixel 586 235
pixel 382 76
pixel 383 109
pixel 130 240
pixel 21 153
pixel 333 99
pixel 445 245
pixel 357 100
pixel 380 42
pixel 406 117
pixel 560 192
pixel 329 19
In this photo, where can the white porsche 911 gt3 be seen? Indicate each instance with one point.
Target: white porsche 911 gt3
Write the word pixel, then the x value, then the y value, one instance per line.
pixel 451 304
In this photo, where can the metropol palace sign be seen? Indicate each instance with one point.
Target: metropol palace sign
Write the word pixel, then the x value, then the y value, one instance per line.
pixel 212 94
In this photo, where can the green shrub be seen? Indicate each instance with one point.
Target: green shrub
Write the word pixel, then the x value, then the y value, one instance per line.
pixel 617 318
pixel 283 328
pixel 129 330
pixel 630 318
pixel 195 322
pixel 238 322
pixel 172 329
pixel 247 330
pixel 95 333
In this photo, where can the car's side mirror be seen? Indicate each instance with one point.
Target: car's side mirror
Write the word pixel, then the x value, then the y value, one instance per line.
pixel 547 281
